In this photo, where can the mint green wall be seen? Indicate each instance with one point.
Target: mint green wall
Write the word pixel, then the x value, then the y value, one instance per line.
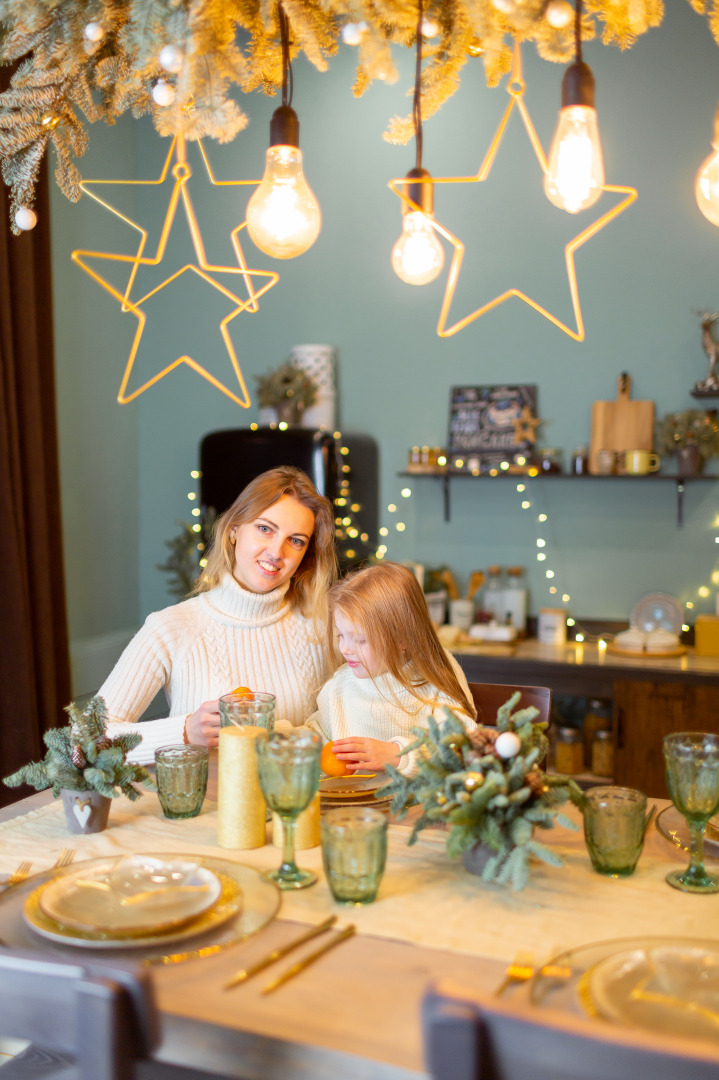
pixel 639 281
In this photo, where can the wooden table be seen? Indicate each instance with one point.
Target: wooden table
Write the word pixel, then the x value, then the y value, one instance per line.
pixel 355 1014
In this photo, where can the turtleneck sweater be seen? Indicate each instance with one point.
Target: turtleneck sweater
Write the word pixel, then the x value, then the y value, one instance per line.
pixel 204 647
pixel 380 708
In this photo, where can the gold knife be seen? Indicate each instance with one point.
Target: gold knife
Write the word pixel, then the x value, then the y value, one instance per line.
pixel 278 953
pixel 309 959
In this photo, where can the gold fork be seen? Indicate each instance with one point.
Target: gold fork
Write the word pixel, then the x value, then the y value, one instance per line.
pixel 64 858
pixel 520 970
pixel 19 875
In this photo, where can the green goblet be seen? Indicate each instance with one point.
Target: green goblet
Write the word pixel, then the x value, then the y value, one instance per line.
pixel 289 771
pixel 692 761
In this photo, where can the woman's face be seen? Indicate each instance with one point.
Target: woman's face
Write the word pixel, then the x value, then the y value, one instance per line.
pixel 269 549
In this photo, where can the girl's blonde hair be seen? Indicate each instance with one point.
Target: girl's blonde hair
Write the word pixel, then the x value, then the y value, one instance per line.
pixel 317 571
pixel 387 601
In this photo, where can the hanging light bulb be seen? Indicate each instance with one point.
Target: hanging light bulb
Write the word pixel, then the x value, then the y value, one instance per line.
pixel 418 256
pixel 707 182
pixel 575 172
pixel 283 215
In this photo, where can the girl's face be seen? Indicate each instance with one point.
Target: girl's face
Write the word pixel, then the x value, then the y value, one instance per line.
pixel 352 643
pixel 269 549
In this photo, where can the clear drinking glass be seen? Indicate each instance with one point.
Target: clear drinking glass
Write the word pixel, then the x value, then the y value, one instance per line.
pixel 692 770
pixel 615 821
pixel 354 851
pixel 181 779
pixel 256 708
pixel 289 771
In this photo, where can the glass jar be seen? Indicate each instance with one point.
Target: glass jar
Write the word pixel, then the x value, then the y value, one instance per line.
pixel 580 461
pixel 598 718
pixel 603 754
pixel 515 599
pixel 550 460
pixel 414 455
pixel 569 752
pixel 493 599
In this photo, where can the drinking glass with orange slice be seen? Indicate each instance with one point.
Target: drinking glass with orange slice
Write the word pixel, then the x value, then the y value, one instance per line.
pixel 244 706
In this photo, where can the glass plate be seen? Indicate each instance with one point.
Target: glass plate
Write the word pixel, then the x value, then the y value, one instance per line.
pixel 673 988
pixel 657 611
pixel 130 896
pixel 260 903
pixel 673 827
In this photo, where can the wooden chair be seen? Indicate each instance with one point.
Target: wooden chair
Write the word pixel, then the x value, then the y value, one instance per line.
pixel 85 1019
pixel 467 1037
pixel 489 696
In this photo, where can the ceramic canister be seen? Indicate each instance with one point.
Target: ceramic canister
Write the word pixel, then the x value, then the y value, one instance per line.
pixel 319 361
pixel 552 626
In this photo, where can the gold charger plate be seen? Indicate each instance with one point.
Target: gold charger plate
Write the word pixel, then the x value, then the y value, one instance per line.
pixel 130 896
pixel 348 787
pixel 227 905
pixel 673 827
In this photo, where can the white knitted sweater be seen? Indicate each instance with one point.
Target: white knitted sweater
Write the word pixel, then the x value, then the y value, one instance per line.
pixel 206 646
pixel 379 708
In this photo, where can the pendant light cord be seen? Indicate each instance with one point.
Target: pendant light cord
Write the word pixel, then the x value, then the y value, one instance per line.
pixel 417 102
pixel 287 80
pixel 578 32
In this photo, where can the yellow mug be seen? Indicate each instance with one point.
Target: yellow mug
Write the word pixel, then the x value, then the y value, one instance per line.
pixel 640 462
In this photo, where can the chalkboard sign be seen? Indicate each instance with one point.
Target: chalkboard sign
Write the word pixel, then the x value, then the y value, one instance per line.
pixel 485 422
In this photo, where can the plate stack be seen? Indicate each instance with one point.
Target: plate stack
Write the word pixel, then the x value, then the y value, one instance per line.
pixel 353 791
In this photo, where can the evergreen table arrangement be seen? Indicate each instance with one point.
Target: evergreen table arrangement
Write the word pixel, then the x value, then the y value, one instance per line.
pixel 488 788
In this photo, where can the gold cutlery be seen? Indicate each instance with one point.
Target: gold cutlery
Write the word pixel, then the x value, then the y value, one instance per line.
pixel 309 959
pixel 278 953
pixel 522 970
pixel 64 858
pixel 19 875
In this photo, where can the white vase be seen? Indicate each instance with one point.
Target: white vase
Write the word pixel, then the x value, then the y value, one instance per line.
pixel 319 362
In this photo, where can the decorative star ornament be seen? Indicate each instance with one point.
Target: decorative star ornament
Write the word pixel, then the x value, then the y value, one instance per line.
pixel 181 172
pixel 515 89
pixel 525 426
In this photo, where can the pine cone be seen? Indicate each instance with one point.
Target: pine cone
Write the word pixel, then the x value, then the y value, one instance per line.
pixel 483 739
pixel 103 744
pixel 78 757
pixel 535 781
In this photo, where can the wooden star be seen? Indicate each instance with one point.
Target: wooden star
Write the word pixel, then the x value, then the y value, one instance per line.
pixel 525 426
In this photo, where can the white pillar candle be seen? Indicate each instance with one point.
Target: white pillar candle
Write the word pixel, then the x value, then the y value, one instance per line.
pixel 240 802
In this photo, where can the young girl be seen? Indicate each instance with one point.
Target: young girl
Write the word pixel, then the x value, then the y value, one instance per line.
pixel 395 671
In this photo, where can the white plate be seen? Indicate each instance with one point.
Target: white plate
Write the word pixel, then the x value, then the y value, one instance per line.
pixel 131 895
pixel 670 988
pixel 657 611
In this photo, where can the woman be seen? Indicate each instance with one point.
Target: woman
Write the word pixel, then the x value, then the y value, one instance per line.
pixel 257 619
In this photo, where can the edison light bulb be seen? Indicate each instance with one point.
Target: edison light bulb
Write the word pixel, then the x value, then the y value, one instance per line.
pixel 283 215
pixel 707 182
pixel 575 172
pixel 418 256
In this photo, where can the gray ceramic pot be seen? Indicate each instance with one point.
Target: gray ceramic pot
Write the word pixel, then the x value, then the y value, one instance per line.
pixel 85 811
pixel 475 858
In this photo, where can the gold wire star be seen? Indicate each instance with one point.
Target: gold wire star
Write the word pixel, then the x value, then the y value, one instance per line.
pixel 525 426
pixel 515 89
pixel 181 172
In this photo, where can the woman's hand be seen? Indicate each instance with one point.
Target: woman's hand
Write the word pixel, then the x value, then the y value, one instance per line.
pixel 203 726
pixel 366 754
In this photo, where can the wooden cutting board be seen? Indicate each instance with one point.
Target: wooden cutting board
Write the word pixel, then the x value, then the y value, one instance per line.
pixel 622 424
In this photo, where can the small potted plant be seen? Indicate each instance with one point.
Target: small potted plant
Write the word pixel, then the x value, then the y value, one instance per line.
pixel 692 435
pixel 86 768
pixel 289 390
pixel 488 787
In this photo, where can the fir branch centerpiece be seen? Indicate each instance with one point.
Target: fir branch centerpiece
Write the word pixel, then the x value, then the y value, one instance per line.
pixel 81 757
pixel 488 788
pixel 288 389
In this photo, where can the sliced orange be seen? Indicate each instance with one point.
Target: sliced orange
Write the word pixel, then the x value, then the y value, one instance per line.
pixel 243 691
pixel 330 763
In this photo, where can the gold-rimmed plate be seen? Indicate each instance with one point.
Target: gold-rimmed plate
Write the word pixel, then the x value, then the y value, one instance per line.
pixel 350 787
pixel 227 905
pixel 130 896
pixel 672 825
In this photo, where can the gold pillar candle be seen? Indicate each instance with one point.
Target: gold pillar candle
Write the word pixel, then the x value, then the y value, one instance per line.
pixel 240 802
pixel 307 830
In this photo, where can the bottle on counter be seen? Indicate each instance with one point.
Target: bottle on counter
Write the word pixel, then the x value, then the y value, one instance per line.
pixel 569 751
pixel 514 599
pixel 493 598
pixel 550 460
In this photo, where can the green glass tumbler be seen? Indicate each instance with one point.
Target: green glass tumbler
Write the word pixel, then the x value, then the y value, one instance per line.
pixel 289 772
pixel 692 771
pixel 354 852
pixel 615 821
pixel 181 779
pixel 256 708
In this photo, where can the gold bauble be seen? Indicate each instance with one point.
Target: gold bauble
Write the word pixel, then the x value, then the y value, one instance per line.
pixel 441 799
pixel 474 780
pixel 475 47
pixel 49 120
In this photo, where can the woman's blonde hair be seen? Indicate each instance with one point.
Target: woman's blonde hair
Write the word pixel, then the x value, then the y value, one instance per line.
pixel 317 571
pixel 387 601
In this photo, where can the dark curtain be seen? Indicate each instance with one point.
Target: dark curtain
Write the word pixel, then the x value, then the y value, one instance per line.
pixel 34 662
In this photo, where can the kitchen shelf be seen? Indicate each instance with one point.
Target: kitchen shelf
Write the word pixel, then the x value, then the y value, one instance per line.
pixel 446 477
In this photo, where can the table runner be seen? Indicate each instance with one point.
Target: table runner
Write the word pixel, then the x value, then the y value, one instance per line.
pixel 426 898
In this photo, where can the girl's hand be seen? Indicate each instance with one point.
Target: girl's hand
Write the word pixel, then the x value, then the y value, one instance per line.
pixel 203 726
pixel 366 754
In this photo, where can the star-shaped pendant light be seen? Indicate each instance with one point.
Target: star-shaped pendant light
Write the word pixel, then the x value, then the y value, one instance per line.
pixel 515 90
pixel 181 172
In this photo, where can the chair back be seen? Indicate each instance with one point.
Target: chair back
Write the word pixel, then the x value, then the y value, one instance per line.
pixel 489 696
pixel 89 1019
pixel 467 1037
